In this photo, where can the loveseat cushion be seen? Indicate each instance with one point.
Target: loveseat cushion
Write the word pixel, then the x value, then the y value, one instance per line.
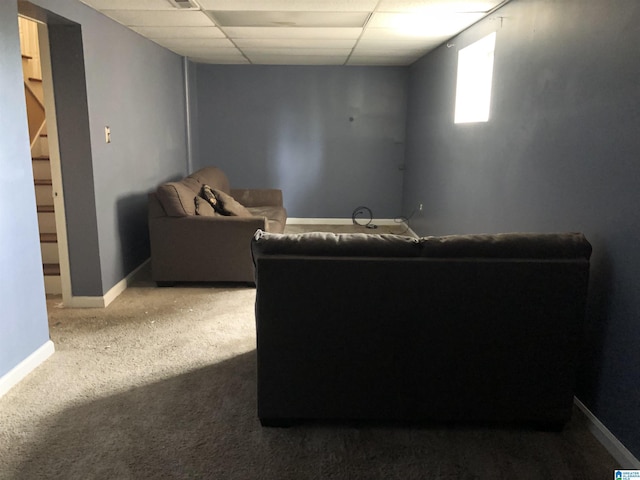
pixel 507 245
pixel 334 244
pixel 177 199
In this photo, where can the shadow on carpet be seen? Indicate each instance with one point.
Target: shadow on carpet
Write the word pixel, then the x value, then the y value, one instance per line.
pixel 203 425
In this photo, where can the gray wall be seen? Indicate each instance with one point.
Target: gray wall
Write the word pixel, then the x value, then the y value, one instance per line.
pixel 330 137
pixel 23 322
pixel 560 153
pixel 137 88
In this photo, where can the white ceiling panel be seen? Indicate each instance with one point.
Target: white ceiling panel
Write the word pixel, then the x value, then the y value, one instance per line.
pixel 381 60
pixel 298 43
pixel 201 43
pixel 413 6
pixel 227 60
pixel 441 24
pixel 252 52
pixel 129 4
pixel 208 51
pixel 390 51
pixel 298 59
pixel 293 33
pixel 383 35
pixel 159 18
pixel 179 32
pixel 291 5
pixel 228 18
pixel 299 32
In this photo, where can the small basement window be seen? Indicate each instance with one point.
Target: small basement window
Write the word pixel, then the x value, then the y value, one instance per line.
pixel 475 74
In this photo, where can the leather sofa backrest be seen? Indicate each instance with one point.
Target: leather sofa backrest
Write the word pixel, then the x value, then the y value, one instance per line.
pixel 504 245
pixel 334 245
pixel 507 245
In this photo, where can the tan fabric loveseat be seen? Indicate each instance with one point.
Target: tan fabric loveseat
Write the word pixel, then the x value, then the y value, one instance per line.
pixel 192 242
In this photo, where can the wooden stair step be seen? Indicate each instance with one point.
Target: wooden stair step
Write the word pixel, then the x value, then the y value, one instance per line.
pixel 43 182
pixel 46 209
pixel 51 268
pixel 41 158
pixel 27 57
pixel 48 238
pixel 34 79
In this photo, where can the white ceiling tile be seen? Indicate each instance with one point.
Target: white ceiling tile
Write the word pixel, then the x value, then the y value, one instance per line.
pixel 252 52
pixel 204 51
pixel 392 50
pixel 175 18
pixel 291 5
pixel 384 35
pixel 382 60
pixel 297 43
pixel 194 42
pixel 239 60
pixel 400 43
pixel 437 5
pixel 289 19
pixel 207 51
pixel 441 24
pixel 129 4
pixel 298 60
pixel 179 32
pixel 292 33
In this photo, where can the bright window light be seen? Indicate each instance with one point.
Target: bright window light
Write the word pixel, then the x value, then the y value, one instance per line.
pixel 475 73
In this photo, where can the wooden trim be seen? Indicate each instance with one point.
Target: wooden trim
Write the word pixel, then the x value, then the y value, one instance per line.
pixel 48 238
pixel 51 269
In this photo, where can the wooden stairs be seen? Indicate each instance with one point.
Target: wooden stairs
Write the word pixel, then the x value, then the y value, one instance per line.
pixel 34 96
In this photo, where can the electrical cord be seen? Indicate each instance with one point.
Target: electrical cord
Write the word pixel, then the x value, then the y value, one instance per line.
pixel 405 220
pixel 359 211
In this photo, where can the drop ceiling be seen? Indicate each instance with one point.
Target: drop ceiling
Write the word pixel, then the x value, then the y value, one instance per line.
pixel 298 32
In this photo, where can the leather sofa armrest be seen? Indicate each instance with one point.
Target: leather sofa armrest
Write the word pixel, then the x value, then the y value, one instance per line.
pixel 258 197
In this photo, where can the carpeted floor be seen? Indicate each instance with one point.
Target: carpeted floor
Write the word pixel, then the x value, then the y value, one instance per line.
pixel 161 384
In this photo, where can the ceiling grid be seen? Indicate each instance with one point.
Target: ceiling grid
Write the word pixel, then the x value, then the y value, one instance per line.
pixel 298 32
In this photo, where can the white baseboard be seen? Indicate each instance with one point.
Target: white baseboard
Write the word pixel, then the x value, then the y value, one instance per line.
pixel 17 373
pixel 107 298
pixel 349 221
pixel 338 221
pixel 614 446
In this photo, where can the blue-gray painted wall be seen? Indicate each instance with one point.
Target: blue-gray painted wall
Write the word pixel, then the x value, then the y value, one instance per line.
pixel 137 89
pixel 561 152
pixel 330 137
pixel 23 321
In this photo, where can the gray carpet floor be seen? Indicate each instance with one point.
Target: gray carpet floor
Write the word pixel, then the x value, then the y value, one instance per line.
pixel 161 384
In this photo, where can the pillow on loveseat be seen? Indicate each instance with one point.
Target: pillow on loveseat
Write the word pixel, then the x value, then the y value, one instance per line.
pixel 204 208
pixel 223 203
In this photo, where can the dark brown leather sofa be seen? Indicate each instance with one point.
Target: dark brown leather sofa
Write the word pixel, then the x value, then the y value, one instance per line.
pixel 477 328
pixel 191 242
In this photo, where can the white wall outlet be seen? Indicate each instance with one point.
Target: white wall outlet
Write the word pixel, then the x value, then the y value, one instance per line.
pixel 420 207
pixel 107 134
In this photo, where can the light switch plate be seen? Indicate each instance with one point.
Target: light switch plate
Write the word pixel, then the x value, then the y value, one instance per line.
pixel 107 134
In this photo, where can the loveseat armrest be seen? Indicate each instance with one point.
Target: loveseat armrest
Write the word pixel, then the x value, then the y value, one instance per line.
pixel 258 197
